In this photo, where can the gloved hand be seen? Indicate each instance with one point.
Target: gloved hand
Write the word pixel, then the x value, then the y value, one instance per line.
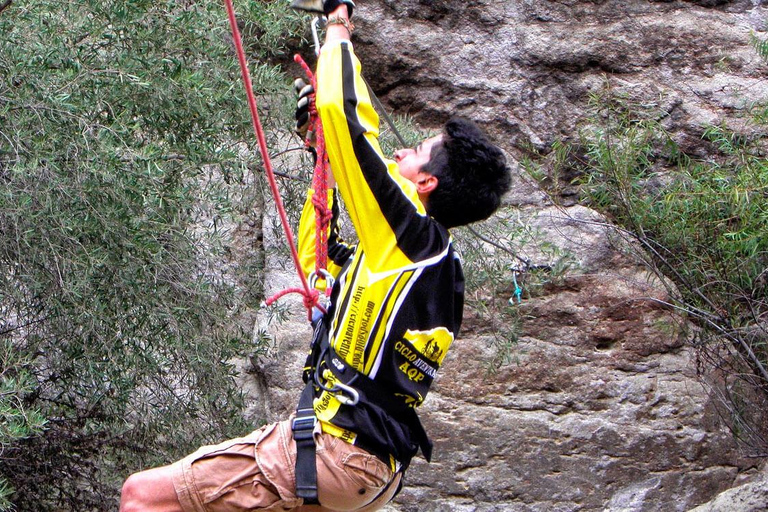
pixel 322 6
pixel 304 91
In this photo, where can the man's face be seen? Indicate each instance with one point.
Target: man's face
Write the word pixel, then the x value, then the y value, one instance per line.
pixel 410 161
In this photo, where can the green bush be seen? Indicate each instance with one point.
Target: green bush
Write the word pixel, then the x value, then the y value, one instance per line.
pixel 17 421
pixel 702 226
pixel 122 172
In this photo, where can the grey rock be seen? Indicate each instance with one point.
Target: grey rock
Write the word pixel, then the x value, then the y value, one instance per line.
pixel 748 497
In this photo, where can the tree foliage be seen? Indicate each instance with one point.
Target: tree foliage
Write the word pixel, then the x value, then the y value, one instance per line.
pixel 700 225
pixel 122 130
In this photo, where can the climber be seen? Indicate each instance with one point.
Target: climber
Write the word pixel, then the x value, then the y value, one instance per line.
pixel 395 307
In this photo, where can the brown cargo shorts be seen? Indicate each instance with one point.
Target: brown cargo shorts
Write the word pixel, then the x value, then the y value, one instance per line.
pixel 257 472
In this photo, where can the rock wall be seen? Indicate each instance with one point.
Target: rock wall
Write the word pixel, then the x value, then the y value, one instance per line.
pixel 601 409
pixel 525 68
pixel 749 497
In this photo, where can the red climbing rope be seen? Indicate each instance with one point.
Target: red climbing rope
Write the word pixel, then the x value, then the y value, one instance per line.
pixel 320 179
pixel 310 295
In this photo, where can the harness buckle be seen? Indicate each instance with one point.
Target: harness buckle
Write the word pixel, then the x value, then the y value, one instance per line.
pixel 303 425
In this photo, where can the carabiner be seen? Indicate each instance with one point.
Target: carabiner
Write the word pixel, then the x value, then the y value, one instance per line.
pixel 315 37
pixel 337 388
pixel 321 274
pixel 353 397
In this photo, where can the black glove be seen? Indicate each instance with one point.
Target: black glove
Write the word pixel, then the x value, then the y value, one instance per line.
pixel 304 91
pixel 322 6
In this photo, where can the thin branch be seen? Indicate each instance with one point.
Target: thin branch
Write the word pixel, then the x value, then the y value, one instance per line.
pixel 291 177
pixel 646 243
pixel 5 5
pixel 498 246
pixel 10 329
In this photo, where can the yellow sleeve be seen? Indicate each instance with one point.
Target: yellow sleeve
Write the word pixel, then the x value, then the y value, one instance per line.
pixel 308 236
pixel 390 220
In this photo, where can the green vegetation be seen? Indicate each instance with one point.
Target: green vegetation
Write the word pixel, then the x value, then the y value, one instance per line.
pixel 122 174
pixel 699 224
pixel 500 276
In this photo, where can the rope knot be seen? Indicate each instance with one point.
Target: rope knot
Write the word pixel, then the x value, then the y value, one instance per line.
pixel 321 209
pixel 311 298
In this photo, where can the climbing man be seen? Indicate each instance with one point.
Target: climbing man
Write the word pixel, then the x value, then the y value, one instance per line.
pixel 395 307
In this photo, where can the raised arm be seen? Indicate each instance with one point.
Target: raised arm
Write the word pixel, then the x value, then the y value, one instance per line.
pixel 391 222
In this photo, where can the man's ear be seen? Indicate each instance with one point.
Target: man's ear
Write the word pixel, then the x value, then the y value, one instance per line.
pixel 426 183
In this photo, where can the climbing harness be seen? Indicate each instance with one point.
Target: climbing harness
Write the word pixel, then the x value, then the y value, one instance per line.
pixel 322 362
pixel 305 420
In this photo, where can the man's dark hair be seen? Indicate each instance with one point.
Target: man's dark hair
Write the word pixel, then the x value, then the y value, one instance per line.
pixel 471 172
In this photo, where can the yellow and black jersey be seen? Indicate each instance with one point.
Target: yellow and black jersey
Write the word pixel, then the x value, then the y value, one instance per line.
pixel 396 305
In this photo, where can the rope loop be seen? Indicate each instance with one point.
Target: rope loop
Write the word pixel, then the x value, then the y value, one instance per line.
pixel 310 298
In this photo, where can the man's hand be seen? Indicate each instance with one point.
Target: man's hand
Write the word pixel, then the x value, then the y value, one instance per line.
pixel 304 92
pixel 322 6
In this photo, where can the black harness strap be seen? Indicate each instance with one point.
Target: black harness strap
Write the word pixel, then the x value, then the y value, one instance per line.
pixel 303 428
pixel 374 410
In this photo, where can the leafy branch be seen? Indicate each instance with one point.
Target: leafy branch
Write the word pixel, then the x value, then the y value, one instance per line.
pixel 702 232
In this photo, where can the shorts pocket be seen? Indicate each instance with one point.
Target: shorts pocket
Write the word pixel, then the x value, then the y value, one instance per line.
pixel 366 469
pixel 349 478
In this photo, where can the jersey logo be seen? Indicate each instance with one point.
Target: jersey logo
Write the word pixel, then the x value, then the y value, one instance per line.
pixel 433 344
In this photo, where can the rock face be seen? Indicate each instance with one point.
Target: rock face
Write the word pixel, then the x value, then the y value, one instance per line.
pixel 526 69
pixel 750 497
pixel 601 409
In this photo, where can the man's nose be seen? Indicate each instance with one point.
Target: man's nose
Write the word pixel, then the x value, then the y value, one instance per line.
pixel 401 153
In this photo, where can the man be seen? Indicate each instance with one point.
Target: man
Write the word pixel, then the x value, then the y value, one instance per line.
pixel 396 306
